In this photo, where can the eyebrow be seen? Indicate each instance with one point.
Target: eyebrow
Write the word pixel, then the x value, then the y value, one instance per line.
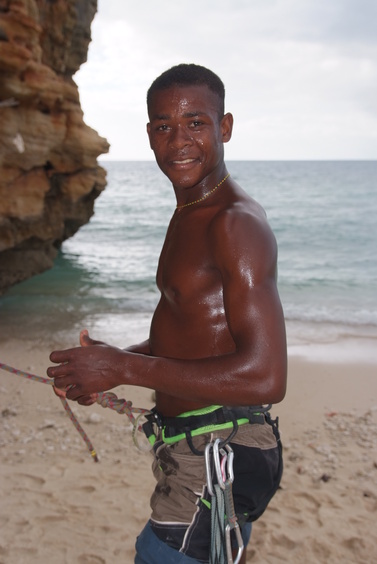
pixel 194 114
pixel 165 117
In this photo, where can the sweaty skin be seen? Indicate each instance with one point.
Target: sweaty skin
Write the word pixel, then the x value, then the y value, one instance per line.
pixel 217 335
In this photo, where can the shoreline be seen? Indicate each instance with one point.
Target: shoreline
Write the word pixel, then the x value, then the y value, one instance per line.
pixel 126 327
pixel 59 506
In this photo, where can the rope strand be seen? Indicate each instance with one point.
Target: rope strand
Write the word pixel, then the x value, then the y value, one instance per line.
pixel 104 399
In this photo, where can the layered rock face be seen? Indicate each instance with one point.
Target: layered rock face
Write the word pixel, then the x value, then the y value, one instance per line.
pixel 49 175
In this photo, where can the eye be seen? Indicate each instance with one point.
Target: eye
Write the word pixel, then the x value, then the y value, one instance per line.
pixel 195 124
pixel 162 127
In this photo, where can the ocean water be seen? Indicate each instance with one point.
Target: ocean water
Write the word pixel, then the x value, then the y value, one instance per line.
pixel 322 213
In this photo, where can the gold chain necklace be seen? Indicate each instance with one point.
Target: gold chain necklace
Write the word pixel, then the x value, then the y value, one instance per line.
pixel 204 197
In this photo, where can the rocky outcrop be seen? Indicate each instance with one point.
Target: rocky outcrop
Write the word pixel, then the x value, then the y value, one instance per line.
pixel 49 175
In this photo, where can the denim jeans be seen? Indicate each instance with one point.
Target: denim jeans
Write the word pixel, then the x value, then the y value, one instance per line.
pixel 151 550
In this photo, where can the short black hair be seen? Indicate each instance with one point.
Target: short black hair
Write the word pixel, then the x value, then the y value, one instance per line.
pixel 189 75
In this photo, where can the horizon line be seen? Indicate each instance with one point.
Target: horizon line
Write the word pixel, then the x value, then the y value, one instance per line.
pixel 257 160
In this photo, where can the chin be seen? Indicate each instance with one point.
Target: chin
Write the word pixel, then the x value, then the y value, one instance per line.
pixel 183 178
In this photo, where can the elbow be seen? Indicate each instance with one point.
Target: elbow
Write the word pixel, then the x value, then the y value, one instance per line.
pixel 265 382
pixel 277 387
pixel 278 394
pixel 270 387
pixel 265 390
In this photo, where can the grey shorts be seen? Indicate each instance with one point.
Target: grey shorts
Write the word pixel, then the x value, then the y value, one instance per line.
pixel 181 516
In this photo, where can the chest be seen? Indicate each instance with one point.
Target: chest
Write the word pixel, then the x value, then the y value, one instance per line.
pixel 186 266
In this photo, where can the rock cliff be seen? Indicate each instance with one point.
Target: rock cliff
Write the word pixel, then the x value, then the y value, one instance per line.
pixel 49 175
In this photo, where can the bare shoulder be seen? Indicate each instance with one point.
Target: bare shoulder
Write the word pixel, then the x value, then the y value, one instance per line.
pixel 240 231
pixel 241 215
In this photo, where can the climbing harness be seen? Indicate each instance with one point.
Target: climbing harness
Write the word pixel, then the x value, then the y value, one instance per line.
pixel 200 421
pixel 219 462
pixel 104 399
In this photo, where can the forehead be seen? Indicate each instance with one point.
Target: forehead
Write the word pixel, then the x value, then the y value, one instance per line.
pixel 181 100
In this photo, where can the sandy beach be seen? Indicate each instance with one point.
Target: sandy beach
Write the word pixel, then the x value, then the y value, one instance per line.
pixel 58 506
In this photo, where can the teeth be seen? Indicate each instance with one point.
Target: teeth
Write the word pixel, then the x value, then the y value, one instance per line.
pixel 186 161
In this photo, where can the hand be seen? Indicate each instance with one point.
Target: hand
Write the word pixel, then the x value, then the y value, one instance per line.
pixel 84 371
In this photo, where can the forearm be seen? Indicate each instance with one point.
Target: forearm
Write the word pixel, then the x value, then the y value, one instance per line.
pixel 233 379
pixel 248 376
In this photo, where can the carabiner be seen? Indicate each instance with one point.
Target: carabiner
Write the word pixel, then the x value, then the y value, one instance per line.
pixel 207 456
pixel 229 544
pixel 220 467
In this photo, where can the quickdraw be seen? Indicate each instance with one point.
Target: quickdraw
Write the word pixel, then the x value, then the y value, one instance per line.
pixel 104 399
pixel 219 461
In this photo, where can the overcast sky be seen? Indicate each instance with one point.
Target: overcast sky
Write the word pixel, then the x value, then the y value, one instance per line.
pixel 300 75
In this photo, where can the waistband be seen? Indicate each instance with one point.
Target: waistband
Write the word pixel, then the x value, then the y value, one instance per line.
pixel 206 420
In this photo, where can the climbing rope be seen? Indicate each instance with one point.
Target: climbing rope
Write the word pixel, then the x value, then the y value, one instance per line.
pixel 104 399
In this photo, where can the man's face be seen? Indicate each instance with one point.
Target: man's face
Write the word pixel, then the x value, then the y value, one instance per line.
pixel 187 134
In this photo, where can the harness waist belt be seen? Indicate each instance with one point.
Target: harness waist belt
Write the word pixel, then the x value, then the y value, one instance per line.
pixel 206 420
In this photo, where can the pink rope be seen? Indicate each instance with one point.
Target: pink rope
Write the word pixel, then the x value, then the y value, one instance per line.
pixel 105 399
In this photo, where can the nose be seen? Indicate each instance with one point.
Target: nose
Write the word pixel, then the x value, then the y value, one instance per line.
pixel 180 137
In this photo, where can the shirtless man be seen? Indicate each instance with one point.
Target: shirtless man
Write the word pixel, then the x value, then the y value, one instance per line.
pixel 217 336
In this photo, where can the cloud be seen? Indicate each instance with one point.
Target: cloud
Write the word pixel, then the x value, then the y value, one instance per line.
pixel 300 77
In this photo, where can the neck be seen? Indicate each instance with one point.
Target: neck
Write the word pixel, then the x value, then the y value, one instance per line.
pixel 207 193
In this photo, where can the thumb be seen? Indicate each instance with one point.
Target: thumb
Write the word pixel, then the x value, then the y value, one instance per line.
pixel 85 340
pixel 59 393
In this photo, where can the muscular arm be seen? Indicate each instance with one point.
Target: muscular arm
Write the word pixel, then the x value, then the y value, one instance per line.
pixel 244 252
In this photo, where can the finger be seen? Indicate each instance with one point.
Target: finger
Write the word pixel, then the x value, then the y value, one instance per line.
pixel 87 400
pixel 58 371
pixel 60 356
pixel 74 393
pixel 63 383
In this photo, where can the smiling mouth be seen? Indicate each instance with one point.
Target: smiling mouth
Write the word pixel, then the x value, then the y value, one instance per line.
pixel 184 161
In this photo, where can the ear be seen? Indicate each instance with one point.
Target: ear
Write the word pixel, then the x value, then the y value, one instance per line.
pixel 226 126
pixel 149 134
